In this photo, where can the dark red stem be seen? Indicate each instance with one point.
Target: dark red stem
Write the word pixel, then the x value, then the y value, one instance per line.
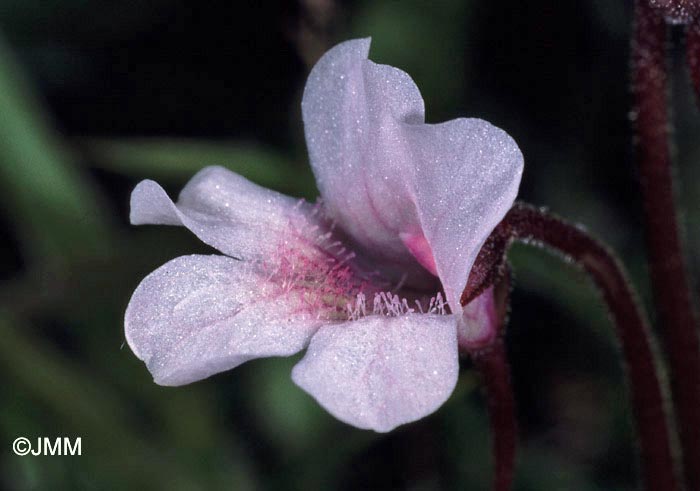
pixel 533 225
pixel 491 360
pixel 692 42
pixel 677 319
pixel 492 363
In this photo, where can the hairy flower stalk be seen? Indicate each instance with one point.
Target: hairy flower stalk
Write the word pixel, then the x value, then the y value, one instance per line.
pixel 678 321
pixel 492 363
pixel 532 225
pixel 490 358
pixel 692 43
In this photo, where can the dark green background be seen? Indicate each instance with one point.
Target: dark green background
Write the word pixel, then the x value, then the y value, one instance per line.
pixel 96 95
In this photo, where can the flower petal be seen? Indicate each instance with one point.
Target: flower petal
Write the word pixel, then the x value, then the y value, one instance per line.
pixel 467 174
pixel 351 109
pixel 405 191
pixel 380 372
pixel 224 210
pixel 199 315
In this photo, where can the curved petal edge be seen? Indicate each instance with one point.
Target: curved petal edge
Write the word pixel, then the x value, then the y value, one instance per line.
pixel 380 372
pixel 199 315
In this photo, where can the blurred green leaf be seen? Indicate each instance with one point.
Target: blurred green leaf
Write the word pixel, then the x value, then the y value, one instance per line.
pixel 179 159
pixel 430 48
pixel 53 206
pixel 538 270
pixel 286 412
pixel 76 404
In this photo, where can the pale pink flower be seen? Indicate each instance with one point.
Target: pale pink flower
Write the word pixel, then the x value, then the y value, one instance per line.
pixel 358 279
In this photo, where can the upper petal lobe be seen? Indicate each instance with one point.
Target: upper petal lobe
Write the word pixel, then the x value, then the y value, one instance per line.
pixel 466 177
pixel 352 109
pixel 407 192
